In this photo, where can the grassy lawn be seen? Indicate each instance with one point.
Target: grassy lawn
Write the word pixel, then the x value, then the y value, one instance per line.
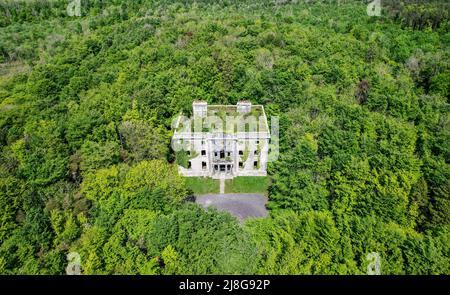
pixel 201 185
pixel 247 184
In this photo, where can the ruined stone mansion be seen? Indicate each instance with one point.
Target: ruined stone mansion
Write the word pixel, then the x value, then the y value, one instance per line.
pixel 222 141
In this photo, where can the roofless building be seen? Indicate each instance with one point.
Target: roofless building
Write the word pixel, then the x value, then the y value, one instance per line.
pixel 223 140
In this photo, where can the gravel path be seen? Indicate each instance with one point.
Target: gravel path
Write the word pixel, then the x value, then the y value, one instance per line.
pixel 222 185
pixel 242 206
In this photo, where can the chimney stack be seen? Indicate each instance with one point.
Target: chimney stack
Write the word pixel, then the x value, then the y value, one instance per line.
pixel 244 106
pixel 200 108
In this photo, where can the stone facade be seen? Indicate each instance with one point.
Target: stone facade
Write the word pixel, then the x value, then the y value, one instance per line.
pixel 236 150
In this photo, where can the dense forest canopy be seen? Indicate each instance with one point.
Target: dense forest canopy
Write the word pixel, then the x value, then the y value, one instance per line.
pixel 86 105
